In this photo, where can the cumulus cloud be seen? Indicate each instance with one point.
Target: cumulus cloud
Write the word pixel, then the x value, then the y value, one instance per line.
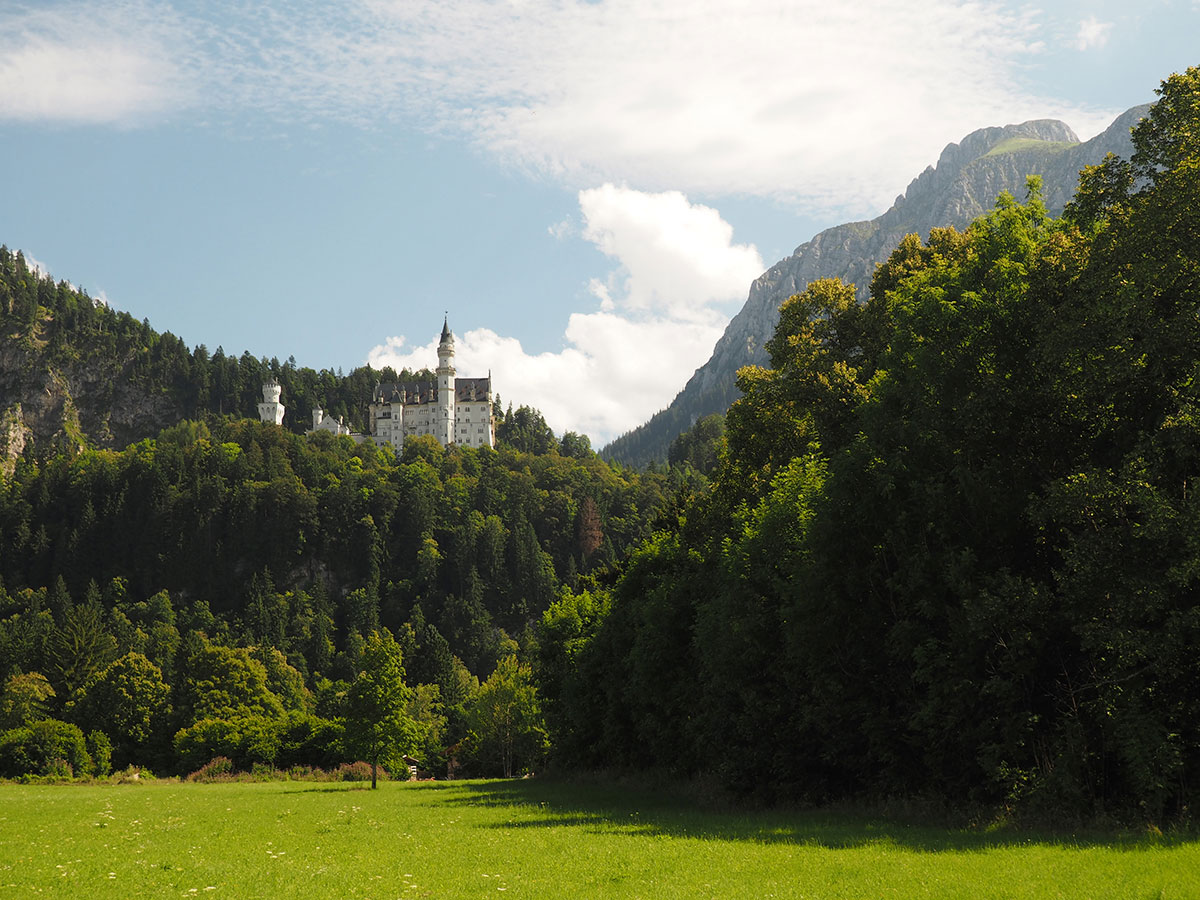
pixel 834 104
pixel 661 312
pixel 675 257
pixel 1092 34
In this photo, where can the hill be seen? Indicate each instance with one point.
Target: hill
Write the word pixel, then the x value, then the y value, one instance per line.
pixel 75 374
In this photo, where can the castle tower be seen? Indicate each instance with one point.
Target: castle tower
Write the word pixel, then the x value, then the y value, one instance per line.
pixel 271 410
pixel 445 380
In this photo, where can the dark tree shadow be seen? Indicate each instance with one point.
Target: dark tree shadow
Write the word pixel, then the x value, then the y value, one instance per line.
pixel 640 811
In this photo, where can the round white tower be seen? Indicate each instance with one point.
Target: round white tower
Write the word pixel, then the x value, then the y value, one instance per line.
pixel 271 410
pixel 445 377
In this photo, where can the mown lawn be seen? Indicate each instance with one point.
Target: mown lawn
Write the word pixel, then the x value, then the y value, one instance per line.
pixel 530 839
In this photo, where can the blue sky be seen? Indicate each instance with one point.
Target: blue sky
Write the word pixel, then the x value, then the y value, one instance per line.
pixel 587 187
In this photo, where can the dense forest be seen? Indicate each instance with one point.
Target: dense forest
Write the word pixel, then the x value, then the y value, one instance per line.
pixel 222 541
pixel 298 548
pixel 292 550
pixel 952 544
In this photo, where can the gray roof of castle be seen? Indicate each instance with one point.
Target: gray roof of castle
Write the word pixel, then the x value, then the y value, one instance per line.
pixel 465 389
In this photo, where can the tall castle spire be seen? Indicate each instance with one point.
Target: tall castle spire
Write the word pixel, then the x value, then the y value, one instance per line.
pixel 445 381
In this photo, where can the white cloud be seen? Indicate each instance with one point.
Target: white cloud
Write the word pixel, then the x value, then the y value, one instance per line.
pixel 1093 34
pixel 674 257
pixel 660 315
pixel 834 104
pixel 83 63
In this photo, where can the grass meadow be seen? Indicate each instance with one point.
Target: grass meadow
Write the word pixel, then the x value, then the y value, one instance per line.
pixel 537 839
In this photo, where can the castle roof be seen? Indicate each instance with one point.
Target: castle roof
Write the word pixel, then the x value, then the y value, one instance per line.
pixel 414 392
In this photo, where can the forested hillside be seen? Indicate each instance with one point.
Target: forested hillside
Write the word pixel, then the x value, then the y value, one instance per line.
pixel 295 548
pixel 74 373
pixel 951 549
pixel 215 550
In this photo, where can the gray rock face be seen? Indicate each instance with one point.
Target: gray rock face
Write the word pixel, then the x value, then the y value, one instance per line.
pixel 964 184
pixel 62 404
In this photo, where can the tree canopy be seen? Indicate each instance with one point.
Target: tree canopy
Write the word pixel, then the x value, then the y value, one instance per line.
pixel 950 549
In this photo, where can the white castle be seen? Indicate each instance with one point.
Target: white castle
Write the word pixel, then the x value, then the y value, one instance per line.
pixel 271 410
pixel 453 410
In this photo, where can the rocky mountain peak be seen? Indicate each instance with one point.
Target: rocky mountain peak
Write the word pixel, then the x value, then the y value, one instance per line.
pixel 964 183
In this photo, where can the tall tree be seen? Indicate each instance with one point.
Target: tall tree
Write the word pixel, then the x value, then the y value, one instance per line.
pixel 378 726
pixel 505 717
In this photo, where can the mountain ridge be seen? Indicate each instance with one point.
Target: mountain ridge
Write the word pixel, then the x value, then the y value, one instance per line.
pixel 963 184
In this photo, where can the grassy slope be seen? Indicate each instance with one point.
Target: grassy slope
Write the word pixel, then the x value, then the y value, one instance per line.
pixel 1017 144
pixel 528 839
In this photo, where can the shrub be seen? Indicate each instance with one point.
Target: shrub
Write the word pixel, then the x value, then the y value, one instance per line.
pixel 310 740
pixel 100 748
pixel 48 747
pixel 132 775
pixel 246 741
pixel 219 768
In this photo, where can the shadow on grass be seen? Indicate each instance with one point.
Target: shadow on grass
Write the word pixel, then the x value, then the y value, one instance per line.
pixel 619 808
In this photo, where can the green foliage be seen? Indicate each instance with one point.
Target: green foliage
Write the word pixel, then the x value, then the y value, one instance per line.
pixel 79 648
pixel 45 747
pixel 951 547
pixel 379 729
pixel 128 702
pixel 1167 138
pixel 99 747
pixel 699 446
pixel 312 740
pixel 526 431
pixel 507 733
pixel 283 680
pixel 225 683
pixel 267 539
pixel 248 740
pixel 426 711
pixel 25 699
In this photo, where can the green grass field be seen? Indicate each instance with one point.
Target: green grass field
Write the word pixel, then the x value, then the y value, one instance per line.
pixel 529 839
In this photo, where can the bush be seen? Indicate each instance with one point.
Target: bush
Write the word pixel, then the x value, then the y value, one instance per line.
pixel 100 748
pixel 132 775
pixel 246 741
pixel 219 768
pixel 48 747
pixel 307 740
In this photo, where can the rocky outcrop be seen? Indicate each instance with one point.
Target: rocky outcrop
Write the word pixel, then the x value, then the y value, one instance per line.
pixel 57 403
pixel 964 184
pixel 14 434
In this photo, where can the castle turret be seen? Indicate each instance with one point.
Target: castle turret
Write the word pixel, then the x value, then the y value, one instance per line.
pixel 271 410
pixel 445 379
